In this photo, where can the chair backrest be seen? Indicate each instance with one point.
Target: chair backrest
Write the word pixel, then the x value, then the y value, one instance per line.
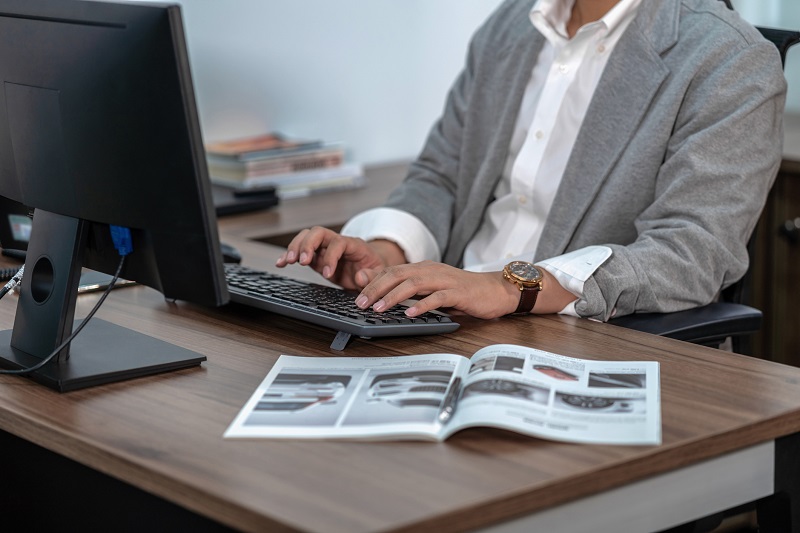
pixel 783 39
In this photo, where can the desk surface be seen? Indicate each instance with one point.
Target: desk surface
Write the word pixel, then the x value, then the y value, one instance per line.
pixel 164 433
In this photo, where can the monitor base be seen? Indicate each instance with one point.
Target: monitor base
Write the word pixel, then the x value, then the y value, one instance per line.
pixel 102 353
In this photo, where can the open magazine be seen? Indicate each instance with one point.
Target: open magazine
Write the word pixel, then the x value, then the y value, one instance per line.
pixel 430 397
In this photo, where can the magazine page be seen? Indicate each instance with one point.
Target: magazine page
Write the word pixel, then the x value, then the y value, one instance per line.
pixel 548 395
pixel 350 397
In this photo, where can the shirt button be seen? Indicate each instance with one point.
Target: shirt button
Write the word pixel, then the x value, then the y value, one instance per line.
pixel 509 256
pixel 601 48
pixel 539 135
pixel 563 69
pixel 522 199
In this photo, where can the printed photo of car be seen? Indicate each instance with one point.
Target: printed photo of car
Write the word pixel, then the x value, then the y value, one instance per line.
pixel 295 392
pixel 410 389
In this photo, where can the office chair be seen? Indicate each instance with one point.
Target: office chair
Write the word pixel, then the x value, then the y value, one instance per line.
pixel 713 324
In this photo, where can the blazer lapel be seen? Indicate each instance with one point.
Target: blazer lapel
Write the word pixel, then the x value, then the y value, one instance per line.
pixel 624 94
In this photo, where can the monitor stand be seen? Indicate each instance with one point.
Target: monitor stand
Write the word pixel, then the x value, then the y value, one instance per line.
pixel 102 352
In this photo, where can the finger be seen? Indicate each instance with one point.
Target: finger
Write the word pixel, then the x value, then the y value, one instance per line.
pixel 314 239
pixel 435 300
pixel 410 289
pixel 393 285
pixel 290 255
pixel 364 276
pixel 375 288
pixel 333 248
pixel 308 248
pixel 325 262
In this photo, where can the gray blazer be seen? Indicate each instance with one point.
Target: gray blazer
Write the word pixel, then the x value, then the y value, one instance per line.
pixel 671 167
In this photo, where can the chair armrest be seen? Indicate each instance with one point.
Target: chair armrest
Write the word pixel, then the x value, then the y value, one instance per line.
pixel 709 323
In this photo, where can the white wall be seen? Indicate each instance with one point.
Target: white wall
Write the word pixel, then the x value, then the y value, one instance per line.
pixel 370 73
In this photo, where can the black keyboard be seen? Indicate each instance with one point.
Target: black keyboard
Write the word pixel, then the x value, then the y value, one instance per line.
pixel 327 306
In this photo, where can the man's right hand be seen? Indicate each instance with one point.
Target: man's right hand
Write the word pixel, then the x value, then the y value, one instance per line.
pixel 347 261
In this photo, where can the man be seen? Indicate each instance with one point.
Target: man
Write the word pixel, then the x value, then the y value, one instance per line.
pixel 625 146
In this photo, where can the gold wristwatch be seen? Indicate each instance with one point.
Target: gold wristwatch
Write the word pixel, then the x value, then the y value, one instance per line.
pixel 528 278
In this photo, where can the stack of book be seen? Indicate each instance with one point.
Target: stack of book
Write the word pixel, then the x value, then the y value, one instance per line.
pixel 294 167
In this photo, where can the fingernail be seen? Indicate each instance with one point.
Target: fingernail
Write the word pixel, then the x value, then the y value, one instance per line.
pixel 326 272
pixel 361 301
pixel 411 312
pixel 281 259
pixel 303 258
pixel 379 306
pixel 290 256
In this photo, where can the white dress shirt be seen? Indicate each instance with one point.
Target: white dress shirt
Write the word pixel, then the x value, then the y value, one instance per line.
pixel 558 94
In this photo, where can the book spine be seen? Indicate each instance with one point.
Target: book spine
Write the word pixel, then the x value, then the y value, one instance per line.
pixel 280 152
pixel 346 170
pixel 275 154
pixel 344 184
pixel 245 151
pixel 281 165
pixel 294 164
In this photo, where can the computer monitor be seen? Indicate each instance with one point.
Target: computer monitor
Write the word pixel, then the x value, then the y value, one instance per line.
pixel 99 127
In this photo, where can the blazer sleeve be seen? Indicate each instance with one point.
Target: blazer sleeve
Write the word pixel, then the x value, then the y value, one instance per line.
pixel 720 162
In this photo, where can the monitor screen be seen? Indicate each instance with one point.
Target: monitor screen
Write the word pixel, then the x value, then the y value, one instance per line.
pixel 99 128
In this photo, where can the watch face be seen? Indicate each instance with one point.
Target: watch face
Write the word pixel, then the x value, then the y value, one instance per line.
pixel 524 270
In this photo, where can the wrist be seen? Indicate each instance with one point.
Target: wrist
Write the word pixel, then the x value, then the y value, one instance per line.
pixel 389 251
pixel 511 295
pixel 553 298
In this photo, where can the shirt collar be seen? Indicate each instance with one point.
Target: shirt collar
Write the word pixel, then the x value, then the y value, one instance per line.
pixel 553 15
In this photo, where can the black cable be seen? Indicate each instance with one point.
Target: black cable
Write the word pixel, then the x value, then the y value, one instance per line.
pixel 8 273
pixel 40 364
pixel 14 280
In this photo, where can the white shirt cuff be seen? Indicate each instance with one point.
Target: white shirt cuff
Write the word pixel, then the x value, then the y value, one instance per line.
pixel 571 270
pixel 403 228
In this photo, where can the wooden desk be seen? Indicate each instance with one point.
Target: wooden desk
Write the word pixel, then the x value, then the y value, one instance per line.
pixel 727 420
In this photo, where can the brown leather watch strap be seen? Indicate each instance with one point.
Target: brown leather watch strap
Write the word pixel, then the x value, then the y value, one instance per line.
pixel 527 299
